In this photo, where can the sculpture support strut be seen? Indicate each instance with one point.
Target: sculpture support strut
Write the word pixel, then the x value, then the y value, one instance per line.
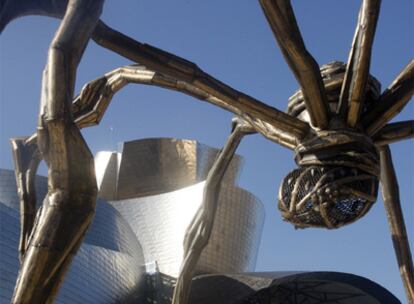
pixel 395 217
pixel 199 231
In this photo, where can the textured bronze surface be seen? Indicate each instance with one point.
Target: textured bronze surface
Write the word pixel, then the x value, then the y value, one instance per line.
pixel 199 231
pixel 357 72
pixel 394 132
pixel 392 101
pixel 391 198
pixel 282 20
pixel 338 119
pixel 95 97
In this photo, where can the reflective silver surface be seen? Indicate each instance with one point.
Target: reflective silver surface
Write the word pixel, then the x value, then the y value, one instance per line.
pixel 155 165
pixel 110 264
pixel 132 251
pixel 160 221
pixel 107 268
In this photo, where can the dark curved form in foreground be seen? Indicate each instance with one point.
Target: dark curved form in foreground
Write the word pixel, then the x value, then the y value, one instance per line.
pixel 288 288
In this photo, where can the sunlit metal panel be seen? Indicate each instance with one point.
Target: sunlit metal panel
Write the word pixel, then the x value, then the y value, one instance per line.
pixel 108 268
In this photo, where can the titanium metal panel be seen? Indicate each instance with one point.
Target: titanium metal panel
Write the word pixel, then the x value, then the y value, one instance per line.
pixel 156 165
pixel 108 267
pixel 106 168
pixel 159 221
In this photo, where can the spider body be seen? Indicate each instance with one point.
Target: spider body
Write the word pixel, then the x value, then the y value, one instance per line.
pixel 337 125
pixel 337 179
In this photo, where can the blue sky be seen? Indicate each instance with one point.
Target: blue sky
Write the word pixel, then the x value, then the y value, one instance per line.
pixel 232 41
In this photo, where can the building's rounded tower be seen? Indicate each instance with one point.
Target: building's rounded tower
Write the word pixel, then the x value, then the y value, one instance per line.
pixel 149 192
pixel 157 185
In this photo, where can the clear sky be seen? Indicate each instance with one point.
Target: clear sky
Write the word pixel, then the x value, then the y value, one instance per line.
pixel 231 41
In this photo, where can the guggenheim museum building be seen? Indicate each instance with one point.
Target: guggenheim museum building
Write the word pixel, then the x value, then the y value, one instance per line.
pixel 149 191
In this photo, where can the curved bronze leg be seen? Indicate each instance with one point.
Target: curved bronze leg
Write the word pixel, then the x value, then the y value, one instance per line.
pixel 357 71
pixel 282 21
pixel 391 102
pixel 391 197
pixel 69 205
pixel 90 106
pixel 394 132
pixel 199 231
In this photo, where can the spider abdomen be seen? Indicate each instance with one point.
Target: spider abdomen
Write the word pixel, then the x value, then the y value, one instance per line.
pixel 336 182
pixel 326 196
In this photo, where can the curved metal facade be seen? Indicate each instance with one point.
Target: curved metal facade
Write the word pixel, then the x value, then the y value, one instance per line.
pixel 159 221
pixel 156 165
pixel 108 267
pixel 133 250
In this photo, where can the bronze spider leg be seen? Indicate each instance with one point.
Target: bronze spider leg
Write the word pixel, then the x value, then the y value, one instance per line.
pixel 69 205
pixel 199 231
pixel 194 242
pixel 181 69
pixel 394 132
pixel 281 18
pixel 391 198
pixel 89 107
pixel 185 71
pixel 357 71
pixel 169 65
pixel 275 125
pixel 267 117
pixel 101 91
pixel 391 102
pixel 27 158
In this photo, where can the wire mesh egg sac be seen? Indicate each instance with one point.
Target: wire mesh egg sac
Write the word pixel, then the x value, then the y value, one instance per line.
pixel 326 196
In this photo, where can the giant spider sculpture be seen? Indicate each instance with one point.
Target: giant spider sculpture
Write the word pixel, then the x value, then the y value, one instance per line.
pixel 337 126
